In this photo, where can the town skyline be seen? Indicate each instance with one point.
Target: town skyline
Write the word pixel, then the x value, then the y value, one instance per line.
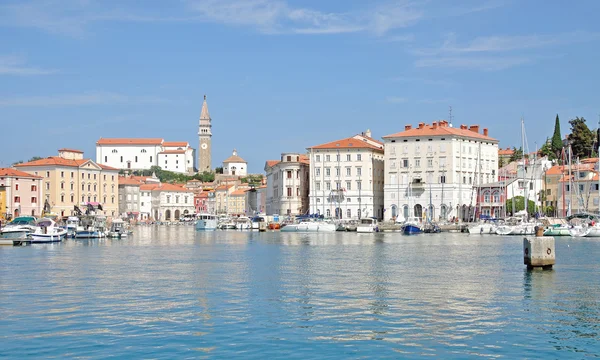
pixel 78 71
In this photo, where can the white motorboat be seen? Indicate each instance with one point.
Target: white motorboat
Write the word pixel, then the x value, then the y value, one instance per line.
pixel 257 221
pixel 206 222
pixel 118 229
pixel 243 223
pixel 19 228
pixel 483 228
pixel 367 225
pixel 47 231
pixel 72 226
pixel 311 226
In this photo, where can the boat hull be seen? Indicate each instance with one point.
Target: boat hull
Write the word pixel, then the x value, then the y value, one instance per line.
pixel 206 225
pixel 411 230
pixel 482 229
pixel 87 235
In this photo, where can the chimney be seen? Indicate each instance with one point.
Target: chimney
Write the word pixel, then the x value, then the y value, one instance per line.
pixel 368 133
pixel 407 127
pixel 474 128
pixel 443 123
pixel 485 132
pixel 421 125
pixel 463 127
pixel 435 125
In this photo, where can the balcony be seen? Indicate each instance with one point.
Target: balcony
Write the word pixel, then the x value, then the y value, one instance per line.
pixel 417 182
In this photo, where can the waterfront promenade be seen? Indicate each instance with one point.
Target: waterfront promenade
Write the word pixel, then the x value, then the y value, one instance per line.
pixel 172 292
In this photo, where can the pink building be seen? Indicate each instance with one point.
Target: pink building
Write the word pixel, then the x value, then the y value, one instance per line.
pixel 23 193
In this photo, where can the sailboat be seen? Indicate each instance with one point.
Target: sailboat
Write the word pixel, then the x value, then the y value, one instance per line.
pixel 412 225
pixel 430 227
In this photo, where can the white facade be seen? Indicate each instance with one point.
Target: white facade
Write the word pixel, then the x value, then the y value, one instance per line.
pixel 347 178
pixel 433 170
pixel 288 185
pixel 165 202
pixel 142 154
pixel 235 165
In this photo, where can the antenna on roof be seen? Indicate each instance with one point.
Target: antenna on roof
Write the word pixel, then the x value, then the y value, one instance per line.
pixel 450 115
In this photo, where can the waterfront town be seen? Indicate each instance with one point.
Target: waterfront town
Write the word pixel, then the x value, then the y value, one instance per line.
pixel 438 171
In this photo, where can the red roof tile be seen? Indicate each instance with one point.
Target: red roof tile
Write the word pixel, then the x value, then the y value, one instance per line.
pixel 54 160
pixel 176 144
pixel 129 141
pixel 163 187
pixel 349 143
pixel 172 152
pixel 8 172
pixel 440 129
pixel 271 163
pixel 238 193
pixel 71 150
pixel 507 151
pixel 129 181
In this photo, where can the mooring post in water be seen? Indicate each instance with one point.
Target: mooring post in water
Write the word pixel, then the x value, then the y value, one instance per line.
pixel 538 250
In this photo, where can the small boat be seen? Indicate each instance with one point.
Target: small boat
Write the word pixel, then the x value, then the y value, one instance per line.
pixel 431 228
pixel 47 231
pixel 72 225
pixel 412 226
pixel 275 226
pixel 118 229
pixel 367 225
pixel 310 226
pixel 243 223
pixel 258 223
pixel 206 222
pixel 18 228
pixel 482 228
pixel 561 230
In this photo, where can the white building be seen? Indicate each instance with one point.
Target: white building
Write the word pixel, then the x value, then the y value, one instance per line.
pixel 346 178
pixel 235 165
pixel 288 185
pixel 437 167
pixel 142 154
pixel 165 202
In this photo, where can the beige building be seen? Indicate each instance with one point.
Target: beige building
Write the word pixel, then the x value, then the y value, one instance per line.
pixel 237 202
pixel 69 180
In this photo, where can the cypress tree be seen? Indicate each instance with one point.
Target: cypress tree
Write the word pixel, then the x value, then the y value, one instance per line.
pixel 557 143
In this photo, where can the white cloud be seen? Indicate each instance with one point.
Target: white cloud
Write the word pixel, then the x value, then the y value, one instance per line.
pixel 91 98
pixel 14 65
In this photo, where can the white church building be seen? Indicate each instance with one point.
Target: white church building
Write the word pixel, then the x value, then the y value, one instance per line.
pixel 235 165
pixel 143 153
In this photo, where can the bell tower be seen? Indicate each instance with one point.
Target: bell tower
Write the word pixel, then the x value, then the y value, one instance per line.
pixel 204 138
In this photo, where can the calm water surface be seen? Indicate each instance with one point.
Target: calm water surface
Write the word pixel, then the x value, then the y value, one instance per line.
pixel 171 292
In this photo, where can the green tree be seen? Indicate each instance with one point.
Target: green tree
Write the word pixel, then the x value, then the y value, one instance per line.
pixel 17 162
pixel 35 158
pixel 581 138
pixel 546 150
pixel 517 154
pixel 252 179
pixel 520 205
pixel 205 176
pixel 219 170
pixel 557 143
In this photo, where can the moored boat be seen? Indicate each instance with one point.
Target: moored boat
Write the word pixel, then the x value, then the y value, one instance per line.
pixel 367 225
pixel 206 222
pixel 47 231
pixel 412 226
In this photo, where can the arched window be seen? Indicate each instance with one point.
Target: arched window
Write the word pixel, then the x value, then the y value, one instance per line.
pixel 394 211
pixel 497 196
pixel 405 211
pixel 418 211
pixel 444 212
pixel 143 150
pixel 327 213
pixel 486 197
pixel 349 213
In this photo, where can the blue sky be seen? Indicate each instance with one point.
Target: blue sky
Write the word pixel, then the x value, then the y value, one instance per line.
pixel 283 75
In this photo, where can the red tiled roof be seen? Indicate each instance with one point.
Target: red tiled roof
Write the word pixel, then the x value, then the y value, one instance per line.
pixel 224 187
pixel 8 172
pixel 271 163
pixel 440 129
pixel 555 170
pixel 349 143
pixel 304 159
pixel 172 152
pixel 71 150
pixel 507 151
pixel 54 160
pixel 129 141
pixel 203 195
pixel 163 187
pixel 238 193
pixel 175 144
pixel 129 181
pixel 106 167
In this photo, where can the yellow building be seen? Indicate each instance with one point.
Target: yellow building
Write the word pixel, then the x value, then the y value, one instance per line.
pixel 2 202
pixel 69 180
pixel 237 202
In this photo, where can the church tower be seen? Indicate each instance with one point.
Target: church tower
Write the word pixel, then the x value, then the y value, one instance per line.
pixel 204 137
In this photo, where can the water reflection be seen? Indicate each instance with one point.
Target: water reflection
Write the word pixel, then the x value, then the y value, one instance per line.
pixel 175 292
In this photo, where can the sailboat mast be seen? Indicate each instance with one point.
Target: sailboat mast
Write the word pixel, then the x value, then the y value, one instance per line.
pixel 525 192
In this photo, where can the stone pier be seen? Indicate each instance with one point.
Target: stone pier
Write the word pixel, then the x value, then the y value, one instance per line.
pixel 538 252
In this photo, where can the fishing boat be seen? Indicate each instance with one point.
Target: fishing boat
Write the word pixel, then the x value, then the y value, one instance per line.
pixel 47 231
pixel 206 222
pixel 72 225
pixel 243 223
pixel 367 225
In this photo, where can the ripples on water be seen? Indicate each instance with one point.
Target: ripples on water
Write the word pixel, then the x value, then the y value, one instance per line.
pixel 171 292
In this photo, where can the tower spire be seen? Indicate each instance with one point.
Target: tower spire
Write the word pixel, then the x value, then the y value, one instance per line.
pixel 204 115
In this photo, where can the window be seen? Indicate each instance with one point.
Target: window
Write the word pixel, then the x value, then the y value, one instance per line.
pixel 327 172
pixel 62 185
pixel 348 185
pixel 17 199
pixel 567 186
pixel 16 186
pixel 143 151
pixel 72 175
pixel 318 158
pixel 95 187
pixel 327 158
pixel 47 186
pixel 289 191
pixel 289 174
pixel 297 191
pixel 318 186
pixel 358 157
pixel 496 197
pixel 328 185
pixel 72 198
pixel 359 185
pixel 89 176
pixel 443 179
pixel 62 198
pixel 121 159
pixel 89 187
pixel 358 171
pixel 83 199
pixel 442 162
pixel 595 187
pixel 348 171
pixel 338 185
pixel 106 159
pixel 150 158
pixel 337 171
pixel 486 197
pixel 464 179
pixel 430 163
pixel 349 213
pixel 33 188
pixel 581 186
pixel 318 171
pixel 337 157
pixel 113 200
pixel 405 163
pixel 348 157
pixel 442 148
pixel 114 151
pixel 62 174
pixel 429 148
pixel 83 175
pixel 47 174
pixel 34 200
pixel 417 163
pixel 168 199
pixel 177 199
pixel 470 180
pixel 417 149
pixel 289 158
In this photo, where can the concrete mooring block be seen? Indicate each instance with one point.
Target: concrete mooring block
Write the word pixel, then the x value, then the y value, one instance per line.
pixel 538 252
